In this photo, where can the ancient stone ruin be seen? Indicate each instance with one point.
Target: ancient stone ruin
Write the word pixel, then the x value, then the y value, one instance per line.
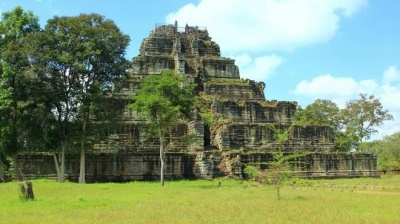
pixel 232 125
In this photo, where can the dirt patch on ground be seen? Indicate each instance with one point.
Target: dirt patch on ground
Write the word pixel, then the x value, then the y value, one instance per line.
pixel 378 192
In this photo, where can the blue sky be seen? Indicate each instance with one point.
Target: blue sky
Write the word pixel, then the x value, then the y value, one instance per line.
pixel 302 49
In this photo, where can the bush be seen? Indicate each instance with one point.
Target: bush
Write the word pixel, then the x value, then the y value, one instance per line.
pixel 251 172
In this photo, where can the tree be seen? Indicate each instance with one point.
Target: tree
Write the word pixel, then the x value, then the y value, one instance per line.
pixel 326 113
pixel 1 167
pixel 387 150
pixel 320 112
pixel 280 167
pixel 355 122
pixel 16 121
pixel 163 100
pixel 361 116
pixel 279 170
pixel 389 153
pixel 79 58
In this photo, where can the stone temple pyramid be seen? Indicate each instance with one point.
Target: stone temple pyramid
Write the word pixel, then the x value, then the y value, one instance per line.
pixel 234 114
pixel 232 122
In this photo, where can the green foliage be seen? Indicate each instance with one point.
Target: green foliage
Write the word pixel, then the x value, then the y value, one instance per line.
pixel 208 118
pixel 163 101
pixel 77 59
pixel 279 171
pixel 345 140
pixel 351 125
pixel 281 134
pixel 362 115
pixel 6 168
pixel 320 112
pixel 252 172
pixel 53 81
pixel 18 95
pixel 280 168
pixel 387 150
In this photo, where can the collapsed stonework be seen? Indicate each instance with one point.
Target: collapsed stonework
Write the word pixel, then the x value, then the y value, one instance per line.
pixel 232 125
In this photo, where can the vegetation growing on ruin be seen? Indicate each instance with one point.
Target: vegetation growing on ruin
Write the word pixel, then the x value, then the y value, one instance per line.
pixel 207 42
pixel 227 81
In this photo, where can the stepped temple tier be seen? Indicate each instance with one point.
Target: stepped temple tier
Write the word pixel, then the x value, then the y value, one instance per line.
pixel 232 124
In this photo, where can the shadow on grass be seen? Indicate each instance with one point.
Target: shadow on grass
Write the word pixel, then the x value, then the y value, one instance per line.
pixel 300 198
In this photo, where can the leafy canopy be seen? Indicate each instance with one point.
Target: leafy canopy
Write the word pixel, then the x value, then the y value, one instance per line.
pixel 352 124
pixel 387 150
pixel 163 99
pixel 17 95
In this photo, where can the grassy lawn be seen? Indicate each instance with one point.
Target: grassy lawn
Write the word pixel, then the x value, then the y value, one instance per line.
pixel 362 200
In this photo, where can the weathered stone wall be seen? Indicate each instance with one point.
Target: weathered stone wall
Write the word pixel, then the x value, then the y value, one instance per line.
pixel 256 111
pixel 324 165
pixel 126 138
pixel 205 165
pixel 220 68
pixel 259 137
pixel 147 65
pixel 238 92
pixel 103 167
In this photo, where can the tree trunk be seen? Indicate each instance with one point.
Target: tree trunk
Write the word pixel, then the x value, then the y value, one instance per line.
pixel 1 171
pixel 278 193
pixel 17 171
pixel 59 162
pixel 62 168
pixel 162 157
pixel 56 163
pixel 82 171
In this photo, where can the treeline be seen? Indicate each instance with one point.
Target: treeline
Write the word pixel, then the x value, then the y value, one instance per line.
pixel 354 124
pixel 53 80
pixel 388 151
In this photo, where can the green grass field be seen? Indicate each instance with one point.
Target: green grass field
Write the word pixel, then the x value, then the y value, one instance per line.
pixel 364 200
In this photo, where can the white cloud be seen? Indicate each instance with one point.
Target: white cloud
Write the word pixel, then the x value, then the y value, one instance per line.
pixel 391 74
pixel 342 89
pixel 258 25
pixel 328 87
pixel 258 69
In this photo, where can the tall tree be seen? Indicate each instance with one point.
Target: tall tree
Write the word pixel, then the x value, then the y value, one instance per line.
pixel 326 113
pixel 163 100
pixel 362 116
pixel 15 99
pixel 355 122
pixel 81 57
pixel 389 153
pixel 320 112
pixel 387 150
